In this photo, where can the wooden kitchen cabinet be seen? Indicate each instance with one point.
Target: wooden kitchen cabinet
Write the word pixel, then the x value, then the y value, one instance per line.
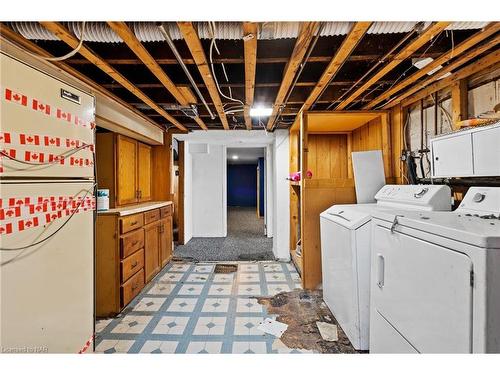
pixel 124 166
pixel 131 248
pixel 144 158
pixel 165 240
pixel 152 246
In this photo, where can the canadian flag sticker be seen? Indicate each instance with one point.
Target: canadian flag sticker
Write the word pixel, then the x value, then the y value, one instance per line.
pixel 38 106
pixel 34 156
pixel 26 139
pixel 5 137
pixel 63 115
pixel 52 141
pixel 28 223
pixel 6 229
pixel 16 97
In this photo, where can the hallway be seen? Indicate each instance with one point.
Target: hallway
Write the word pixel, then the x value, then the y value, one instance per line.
pixel 245 240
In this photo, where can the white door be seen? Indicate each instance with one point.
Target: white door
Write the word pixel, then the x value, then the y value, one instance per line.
pixel 423 291
pixel 47 287
pixel 486 152
pixel 47 126
pixel 452 156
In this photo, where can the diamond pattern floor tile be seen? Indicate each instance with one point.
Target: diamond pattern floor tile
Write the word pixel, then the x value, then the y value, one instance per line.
pixel 189 309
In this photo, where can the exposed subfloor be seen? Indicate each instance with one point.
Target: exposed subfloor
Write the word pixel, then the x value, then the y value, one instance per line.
pixel 188 308
pixel 245 240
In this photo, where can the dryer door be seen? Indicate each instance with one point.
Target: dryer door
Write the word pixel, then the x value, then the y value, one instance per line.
pixel 423 291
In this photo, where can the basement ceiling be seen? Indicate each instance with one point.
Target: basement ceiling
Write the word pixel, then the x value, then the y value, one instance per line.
pixel 273 45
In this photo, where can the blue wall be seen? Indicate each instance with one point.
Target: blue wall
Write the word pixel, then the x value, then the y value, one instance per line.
pixel 261 185
pixel 242 185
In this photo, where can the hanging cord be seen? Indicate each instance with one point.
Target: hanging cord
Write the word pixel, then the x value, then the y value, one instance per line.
pixel 68 55
pixel 55 161
pixel 52 234
pixel 213 45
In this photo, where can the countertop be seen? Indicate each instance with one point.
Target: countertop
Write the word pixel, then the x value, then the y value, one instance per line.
pixel 134 208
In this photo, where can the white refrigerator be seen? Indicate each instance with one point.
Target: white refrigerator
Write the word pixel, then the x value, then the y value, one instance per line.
pixel 47 212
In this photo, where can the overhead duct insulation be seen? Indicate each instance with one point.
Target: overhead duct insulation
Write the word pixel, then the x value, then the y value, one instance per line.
pixel 148 31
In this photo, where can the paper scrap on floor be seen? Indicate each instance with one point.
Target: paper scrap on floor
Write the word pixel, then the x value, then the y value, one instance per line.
pixel 328 331
pixel 273 327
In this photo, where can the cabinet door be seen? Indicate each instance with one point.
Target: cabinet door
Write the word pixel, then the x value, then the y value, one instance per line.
pixel 144 172
pixel 126 155
pixel 151 250
pixel 453 156
pixel 165 240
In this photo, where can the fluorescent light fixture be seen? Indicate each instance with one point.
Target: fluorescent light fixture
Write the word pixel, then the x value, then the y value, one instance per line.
pixel 260 111
pixel 234 157
pixel 421 63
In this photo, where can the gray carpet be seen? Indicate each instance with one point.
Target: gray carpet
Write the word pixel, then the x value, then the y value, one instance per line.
pixel 245 240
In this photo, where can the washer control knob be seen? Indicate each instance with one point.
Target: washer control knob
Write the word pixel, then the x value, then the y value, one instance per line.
pixel 478 197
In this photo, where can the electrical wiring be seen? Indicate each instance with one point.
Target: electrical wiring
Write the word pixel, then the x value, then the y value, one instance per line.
pixel 53 233
pixel 213 45
pixel 66 56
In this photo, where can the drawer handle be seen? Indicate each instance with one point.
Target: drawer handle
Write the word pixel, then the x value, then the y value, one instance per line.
pixel 134 287
pixel 135 243
pixel 134 264
pixel 133 223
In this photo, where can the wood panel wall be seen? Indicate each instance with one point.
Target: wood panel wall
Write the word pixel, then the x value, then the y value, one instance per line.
pixel 327 156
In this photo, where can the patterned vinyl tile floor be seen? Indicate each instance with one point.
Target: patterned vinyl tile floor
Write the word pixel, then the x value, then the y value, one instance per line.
pixel 188 308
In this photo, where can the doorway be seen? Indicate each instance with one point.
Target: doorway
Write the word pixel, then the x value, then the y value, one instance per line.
pixel 246 203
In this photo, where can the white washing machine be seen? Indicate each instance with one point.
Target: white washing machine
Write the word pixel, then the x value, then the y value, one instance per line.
pixel 435 285
pixel 345 251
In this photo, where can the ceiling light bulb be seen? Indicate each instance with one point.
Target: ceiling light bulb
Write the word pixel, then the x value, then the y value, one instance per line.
pixel 260 111
pixel 235 157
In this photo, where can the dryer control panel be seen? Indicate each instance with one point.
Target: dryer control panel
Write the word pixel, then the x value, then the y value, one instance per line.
pixel 481 201
pixel 425 197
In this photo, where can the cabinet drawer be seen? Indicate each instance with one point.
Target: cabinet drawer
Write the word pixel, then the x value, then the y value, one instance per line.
pixel 151 216
pixel 132 242
pixel 131 222
pixel 132 287
pixel 165 211
pixel 132 264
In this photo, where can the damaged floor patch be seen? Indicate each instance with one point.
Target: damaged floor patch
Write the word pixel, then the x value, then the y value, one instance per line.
pixel 301 310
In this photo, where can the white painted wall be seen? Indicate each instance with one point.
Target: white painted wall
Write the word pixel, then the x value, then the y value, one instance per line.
pixel 208 172
pixel 188 194
pixel 208 194
pixel 281 196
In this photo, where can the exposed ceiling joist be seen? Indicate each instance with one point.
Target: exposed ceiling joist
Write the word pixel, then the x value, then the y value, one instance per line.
pixel 430 32
pixel 350 42
pixel 195 47
pixel 62 33
pixel 123 31
pixel 250 53
pixel 470 42
pixel 447 69
pixel 237 60
pixel 19 40
pixel 306 34
pixel 481 64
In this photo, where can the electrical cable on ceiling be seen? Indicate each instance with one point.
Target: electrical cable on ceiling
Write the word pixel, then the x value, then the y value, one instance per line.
pixel 66 56
pixel 213 44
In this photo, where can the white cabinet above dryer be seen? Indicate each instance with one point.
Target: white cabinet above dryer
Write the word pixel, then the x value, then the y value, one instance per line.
pixel 468 153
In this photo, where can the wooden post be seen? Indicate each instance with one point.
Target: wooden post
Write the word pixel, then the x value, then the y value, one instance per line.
pixel 459 102
pixel 386 144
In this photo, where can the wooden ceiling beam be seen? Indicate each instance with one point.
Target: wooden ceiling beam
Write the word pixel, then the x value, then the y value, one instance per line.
pixel 19 40
pixel 306 34
pixel 62 33
pixel 129 38
pixel 466 57
pixel 195 47
pixel 492 59
pixel 237 60
pixel 350 42
pixel 250 53
pixel 430 32
pixel 470 42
